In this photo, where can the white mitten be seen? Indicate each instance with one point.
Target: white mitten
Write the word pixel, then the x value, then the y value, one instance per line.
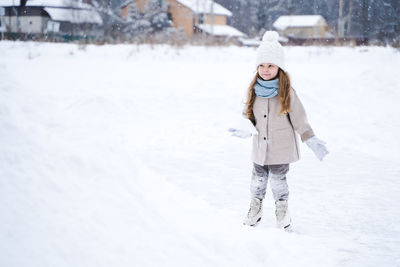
pixel 318 147
pixel 244 129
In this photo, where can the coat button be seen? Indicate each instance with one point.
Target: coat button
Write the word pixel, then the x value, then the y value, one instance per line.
pixel 265 116
pixel 265 138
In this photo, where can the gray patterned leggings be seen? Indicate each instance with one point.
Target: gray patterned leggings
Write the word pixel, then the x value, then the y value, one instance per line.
pixel 277 175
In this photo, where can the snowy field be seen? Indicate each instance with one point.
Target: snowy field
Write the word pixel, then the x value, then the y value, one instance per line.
pixel 120 156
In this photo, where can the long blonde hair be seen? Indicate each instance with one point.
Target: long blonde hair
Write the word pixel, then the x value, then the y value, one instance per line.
pixel 284 94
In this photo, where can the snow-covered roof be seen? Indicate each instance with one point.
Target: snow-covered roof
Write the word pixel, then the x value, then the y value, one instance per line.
pixel 254 42
pixel 73 11
pixel 74 15
pixel 10 2
pixel 284 22
pixel 205 6
pixel 59 3
pixel 221 30
pixel 47 3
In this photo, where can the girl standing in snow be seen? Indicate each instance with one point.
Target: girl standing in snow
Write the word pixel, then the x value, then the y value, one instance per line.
pixel 274 114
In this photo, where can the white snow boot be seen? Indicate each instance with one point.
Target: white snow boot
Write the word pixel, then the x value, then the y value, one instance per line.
pixel 282 214
pixel 255 212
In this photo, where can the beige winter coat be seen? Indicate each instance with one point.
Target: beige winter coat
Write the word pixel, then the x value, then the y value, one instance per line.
pixel 277 142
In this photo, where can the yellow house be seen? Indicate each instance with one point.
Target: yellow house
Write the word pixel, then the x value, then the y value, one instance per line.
pixel 192 15
pixel 302 26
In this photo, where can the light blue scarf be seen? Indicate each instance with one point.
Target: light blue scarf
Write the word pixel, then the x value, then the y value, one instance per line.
pixel 266 89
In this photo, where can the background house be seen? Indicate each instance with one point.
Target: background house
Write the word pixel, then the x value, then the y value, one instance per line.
pixel 193 16
pixel 68 18
pixel 302 26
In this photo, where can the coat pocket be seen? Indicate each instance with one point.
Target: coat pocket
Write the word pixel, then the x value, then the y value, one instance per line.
pixel 282 139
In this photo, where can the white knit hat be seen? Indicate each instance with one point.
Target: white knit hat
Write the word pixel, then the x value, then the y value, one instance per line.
pixel 270 50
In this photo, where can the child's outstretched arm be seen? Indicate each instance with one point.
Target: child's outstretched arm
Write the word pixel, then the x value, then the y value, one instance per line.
pixel 298 118
pixel 244 128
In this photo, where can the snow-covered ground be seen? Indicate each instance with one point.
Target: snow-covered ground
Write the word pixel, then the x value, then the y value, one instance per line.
pixel 120 156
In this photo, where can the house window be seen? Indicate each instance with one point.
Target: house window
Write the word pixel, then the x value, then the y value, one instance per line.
pixel 201 19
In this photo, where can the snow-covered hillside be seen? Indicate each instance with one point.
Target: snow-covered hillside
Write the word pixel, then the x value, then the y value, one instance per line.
pixel 120 156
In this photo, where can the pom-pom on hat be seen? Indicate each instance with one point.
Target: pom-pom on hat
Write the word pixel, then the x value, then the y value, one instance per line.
pixel 270 50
